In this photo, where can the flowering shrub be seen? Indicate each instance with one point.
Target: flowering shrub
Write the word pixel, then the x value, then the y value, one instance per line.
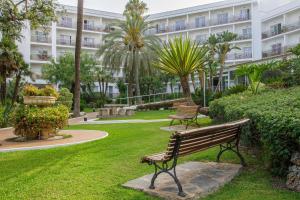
pixel 275 122
pixel 65 98
pixel 30 90
pixel 30 121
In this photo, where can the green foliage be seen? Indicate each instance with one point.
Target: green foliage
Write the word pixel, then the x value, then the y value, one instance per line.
pixel 275 121
pixel 235 90
pixel 121 87
pixel 30 90
pixel 29 121
pixel 6 114
pixel 254 73
pixel 65 98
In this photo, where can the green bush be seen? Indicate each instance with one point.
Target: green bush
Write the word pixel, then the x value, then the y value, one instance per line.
pixel 30 90
pixel 65 98
pixel 275 122
pixel 29 121
pixel 5 116
pixel 235 90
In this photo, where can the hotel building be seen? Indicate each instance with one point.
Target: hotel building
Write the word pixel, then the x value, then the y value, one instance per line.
pixel 262 32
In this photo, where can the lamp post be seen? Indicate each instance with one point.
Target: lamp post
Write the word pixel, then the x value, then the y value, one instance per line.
pixel 204 89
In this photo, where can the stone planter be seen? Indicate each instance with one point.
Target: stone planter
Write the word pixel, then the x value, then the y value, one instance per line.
pixel 47 133
pixel 39 100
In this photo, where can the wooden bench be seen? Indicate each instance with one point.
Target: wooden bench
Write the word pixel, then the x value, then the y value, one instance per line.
pixel 183 143
pixel 187 114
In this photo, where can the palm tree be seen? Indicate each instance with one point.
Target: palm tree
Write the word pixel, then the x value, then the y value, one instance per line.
pixel 129 46
pixel 223 48
pixel 77 58
pixel 181 57
pixel 210 59
pixel 135 7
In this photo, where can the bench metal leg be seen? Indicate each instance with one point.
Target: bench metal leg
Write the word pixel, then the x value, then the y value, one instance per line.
pixel 165 169
pixel 231 147
pixel 171 123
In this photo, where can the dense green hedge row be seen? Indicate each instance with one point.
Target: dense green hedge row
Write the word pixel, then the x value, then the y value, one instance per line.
pixel 275 121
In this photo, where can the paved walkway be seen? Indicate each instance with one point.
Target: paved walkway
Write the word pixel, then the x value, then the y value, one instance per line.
pixel 78 137
pixel 198 179
pixel 77 120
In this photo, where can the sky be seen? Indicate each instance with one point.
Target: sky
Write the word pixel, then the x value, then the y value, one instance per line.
pixel 154 6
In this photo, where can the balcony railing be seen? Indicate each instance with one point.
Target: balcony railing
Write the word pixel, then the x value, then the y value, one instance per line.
pixel 277 51
pixel 41 39
pixel 40 56
pixel 66 24
pixel 244 37
pixel 91 44
pixel 66 42
pixel 238 56
pixel 286 28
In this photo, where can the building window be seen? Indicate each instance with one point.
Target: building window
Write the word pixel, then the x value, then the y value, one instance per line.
pixel 41 36
pixel 222 18
pixel 43 55
pixel 244 14
pixel 161 28
pixel 247 52
pixel 246 33
pixel 89 42
pixel 88 25
pixel 276 29
pixel 66 22
pixel 179 25
pixel 200 21
pixel 65 40
pixel 276 49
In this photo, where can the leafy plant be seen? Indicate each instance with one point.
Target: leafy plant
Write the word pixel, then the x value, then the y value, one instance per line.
pixel 30 90
pixel 29 121
pixel 181 57
pixel 275 122
pixel 48 91
pixel 65 98
pixel 235 90
pixel 254 73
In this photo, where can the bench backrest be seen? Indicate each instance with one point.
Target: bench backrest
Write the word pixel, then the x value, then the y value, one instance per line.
pixel 188 111
pixel 191 141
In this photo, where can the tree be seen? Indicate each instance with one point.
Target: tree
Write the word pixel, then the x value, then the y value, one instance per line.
pixel 77 58
pixel 181 57
pixel 129 45
pixel 254 73
pixel 13 17
pixel 62 72
pixel 211 63
pixel 223 48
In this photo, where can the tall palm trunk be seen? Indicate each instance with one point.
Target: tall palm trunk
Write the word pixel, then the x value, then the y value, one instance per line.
pixel 77 58
pixel 220 83
pixel 16 88
pixel 3 84
pixel 136 75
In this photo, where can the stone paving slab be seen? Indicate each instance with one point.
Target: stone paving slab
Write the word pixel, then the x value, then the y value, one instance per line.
pixel 198 179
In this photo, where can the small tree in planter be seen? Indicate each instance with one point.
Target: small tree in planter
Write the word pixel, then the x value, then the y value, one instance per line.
pixel 38 118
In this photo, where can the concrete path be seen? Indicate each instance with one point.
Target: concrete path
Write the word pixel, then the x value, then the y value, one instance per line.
pixel 78 137
pixel 198 179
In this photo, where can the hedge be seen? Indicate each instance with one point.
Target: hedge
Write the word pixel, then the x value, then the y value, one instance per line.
pixel 275 122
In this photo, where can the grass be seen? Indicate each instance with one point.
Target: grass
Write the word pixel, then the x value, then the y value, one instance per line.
pixel 153 114
pixel 97 169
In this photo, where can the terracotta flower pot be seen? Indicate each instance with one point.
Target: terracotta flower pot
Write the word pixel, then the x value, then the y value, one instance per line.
pixel 39 100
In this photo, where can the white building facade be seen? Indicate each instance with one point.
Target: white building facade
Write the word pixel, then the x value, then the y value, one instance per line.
pixel 261 32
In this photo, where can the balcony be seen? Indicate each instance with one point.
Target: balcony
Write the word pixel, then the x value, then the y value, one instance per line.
pixel 91 44
pixel 244 37
pixel 66 42
pixel 285 29
pixel 197 25
pixel 40 56
pixel 65 24
pixel 41 39
pixel 238 56
pixel 241 18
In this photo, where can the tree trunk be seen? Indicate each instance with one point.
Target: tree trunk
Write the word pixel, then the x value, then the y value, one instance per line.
pixel 201 79
pixel 136 75
pixel 16 88
pixel 77 58
pixel 3 84
pixel 186 88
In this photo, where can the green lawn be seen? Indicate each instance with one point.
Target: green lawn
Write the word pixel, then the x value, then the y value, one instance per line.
pixel 152 114
pixel 97 169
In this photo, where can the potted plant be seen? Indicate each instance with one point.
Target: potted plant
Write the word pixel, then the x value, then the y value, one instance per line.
pixel 41 97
